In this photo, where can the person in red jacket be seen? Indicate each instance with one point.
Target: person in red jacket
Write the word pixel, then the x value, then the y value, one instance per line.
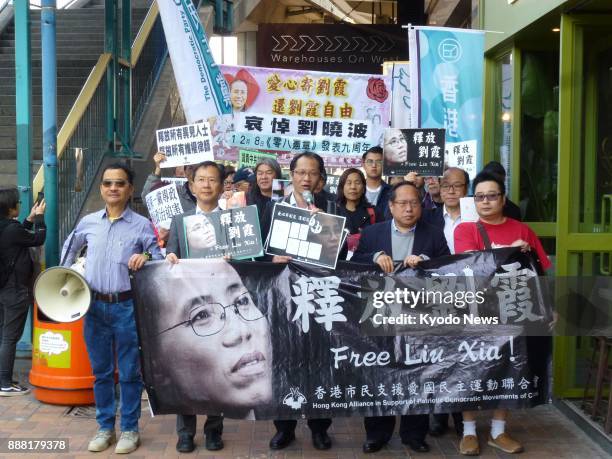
pixel 493 230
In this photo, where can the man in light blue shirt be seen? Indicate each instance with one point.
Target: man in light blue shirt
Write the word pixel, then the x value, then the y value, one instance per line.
pixel 117 240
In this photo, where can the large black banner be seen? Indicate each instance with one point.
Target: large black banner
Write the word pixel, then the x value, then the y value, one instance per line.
pixel 271 341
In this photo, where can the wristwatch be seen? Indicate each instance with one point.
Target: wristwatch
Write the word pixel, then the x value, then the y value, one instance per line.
pixel 148 255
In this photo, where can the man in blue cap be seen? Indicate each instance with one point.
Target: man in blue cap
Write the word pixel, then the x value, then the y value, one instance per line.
pixel 243 179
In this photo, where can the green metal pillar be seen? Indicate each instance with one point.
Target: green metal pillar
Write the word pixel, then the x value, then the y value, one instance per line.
pixel 110 46
pixel 23 112
pixel 49 119
pixel 23 104
pixel 126 73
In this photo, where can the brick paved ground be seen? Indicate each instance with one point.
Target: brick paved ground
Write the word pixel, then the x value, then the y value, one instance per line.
pixel 544 431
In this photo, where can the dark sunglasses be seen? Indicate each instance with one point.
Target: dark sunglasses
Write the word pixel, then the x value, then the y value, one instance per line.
pixel 489 197
pixel 118 183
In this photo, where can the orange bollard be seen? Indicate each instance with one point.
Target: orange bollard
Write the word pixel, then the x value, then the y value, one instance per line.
pixel 61 373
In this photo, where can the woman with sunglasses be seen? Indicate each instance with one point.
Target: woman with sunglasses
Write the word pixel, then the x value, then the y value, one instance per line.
pixel 493 230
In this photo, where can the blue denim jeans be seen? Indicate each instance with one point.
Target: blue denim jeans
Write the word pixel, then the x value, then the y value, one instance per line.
pixel 110 329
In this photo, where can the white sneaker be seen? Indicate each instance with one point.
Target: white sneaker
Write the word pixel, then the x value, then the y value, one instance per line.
pixel 128 442
pixel 13 390
pixel 101 441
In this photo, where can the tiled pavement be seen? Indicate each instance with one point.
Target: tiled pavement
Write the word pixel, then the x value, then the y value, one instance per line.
pixel 544 431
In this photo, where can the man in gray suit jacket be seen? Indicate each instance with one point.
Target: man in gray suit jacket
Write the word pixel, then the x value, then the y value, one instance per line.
pixel 207 187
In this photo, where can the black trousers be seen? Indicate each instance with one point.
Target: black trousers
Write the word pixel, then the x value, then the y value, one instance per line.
pixel 442 419
pixel 315 425
pixel 412 427
pixel 186 424
pixel 12 322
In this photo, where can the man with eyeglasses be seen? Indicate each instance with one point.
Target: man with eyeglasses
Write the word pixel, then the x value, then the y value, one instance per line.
pixel 117 240
pixel 404 240
pixel 306 170
pixel 207 187
pixel 244 179
pixel 377 191
pixel 454 185
pixel 493 230
pixel 510 209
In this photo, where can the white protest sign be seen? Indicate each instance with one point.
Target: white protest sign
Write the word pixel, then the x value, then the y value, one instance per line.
pixel 163 204
pixel 463 156
pixel 468 209
pixel 184 145
pixel 179 181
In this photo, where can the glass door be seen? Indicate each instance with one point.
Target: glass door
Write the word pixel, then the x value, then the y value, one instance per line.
pixel 584 202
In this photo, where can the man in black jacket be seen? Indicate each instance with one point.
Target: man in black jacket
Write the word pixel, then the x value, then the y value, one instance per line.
pixel 207 187
pixel 377 191
pixel 307 169
pixel 408 240
pixel 15 293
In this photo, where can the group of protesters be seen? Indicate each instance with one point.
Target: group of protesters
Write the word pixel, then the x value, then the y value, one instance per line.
pixel 413 220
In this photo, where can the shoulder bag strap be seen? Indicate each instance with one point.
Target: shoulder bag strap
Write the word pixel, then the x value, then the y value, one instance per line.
pixel 484 235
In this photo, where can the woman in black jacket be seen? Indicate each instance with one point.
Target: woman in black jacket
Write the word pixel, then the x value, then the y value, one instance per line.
pixel 353 204
pixel 266 170
pixel 15 280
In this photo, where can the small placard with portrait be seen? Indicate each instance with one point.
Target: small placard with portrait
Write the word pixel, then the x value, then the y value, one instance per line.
pixel 230 233
pixel 413 150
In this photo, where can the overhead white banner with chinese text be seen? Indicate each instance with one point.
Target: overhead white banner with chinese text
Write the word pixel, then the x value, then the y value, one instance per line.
pixel 310 96
pixel 203 90
pixel 446 79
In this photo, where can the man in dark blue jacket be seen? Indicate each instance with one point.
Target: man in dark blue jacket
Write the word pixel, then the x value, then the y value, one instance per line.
pixel 404 239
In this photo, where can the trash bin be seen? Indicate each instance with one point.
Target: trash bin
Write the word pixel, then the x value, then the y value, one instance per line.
pixel 61 373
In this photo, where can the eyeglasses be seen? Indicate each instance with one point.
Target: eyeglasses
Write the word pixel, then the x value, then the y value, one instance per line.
pixel 452 186
pixel 209 318
pixel 373 162
pixel 404 204
pixel 301 174
pixel 228 182
pixel 118 183
pixel 207 180
pixel 489 197
pixel 395 142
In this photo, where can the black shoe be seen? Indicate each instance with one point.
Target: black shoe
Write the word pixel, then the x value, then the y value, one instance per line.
pixel 418 446
pixel 213 442
pixel 437 429
pixel 185 444
pixel 281 440
pixel 320 440
pixel 372 446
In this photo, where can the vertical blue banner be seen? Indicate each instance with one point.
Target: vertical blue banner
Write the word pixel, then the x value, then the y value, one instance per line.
pixel 447 85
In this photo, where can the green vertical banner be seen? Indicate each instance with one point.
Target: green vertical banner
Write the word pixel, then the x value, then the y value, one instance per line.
pixel 248 158
pixel 446 78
